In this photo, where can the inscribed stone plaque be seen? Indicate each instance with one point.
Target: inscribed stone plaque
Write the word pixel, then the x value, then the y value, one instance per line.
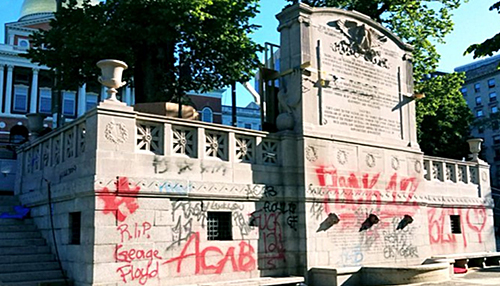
pixel 364 77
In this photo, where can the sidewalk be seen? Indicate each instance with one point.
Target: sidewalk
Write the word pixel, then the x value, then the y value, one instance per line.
pixel 474 277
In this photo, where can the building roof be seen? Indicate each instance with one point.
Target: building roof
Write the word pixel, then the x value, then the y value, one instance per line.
pixel 478 64
pixel 32 7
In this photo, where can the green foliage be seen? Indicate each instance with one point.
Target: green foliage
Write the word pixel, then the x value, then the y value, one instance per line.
pixel 489 46
pixel 443 117
pixel 171 46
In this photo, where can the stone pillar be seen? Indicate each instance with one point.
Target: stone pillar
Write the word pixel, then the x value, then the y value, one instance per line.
pixel 8 89
pixel 1 86
pixel 82 99
pixel 34 91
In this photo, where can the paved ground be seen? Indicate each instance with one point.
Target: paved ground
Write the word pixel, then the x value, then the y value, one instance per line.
pixel 474 277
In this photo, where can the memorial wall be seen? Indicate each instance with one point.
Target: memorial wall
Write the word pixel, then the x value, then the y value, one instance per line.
pixel 356 81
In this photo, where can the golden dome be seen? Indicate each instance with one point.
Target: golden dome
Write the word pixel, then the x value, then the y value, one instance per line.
pixel 31 7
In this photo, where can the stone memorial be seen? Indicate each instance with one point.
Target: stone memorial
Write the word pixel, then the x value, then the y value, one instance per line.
pixel 342 195
pixel 355 77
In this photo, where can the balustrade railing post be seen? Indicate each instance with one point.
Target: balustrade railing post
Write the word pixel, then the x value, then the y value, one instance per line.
pixel 200 143
pixel 231 148
pixel 167 139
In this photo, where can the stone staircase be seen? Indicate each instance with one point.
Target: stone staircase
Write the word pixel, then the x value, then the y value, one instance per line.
pixel 25 257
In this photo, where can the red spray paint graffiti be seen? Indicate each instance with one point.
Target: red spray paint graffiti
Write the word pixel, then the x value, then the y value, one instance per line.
pixel 272 235
pixel 476 220
pixel 120 206
pixel 349 190
pixel 242 261
pixel 135 259
pixel 440 233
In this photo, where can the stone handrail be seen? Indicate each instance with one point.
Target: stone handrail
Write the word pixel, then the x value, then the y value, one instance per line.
pixel 158 135
pixel 448 170
pixel 195 139
pixel 61 145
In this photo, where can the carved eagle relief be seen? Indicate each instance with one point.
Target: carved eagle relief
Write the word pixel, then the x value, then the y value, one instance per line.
pixel 363 37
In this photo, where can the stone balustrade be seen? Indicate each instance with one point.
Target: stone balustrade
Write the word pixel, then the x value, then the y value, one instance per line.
pixel 456 178
pixel 195 139
pixel 451 171
pixel 96 149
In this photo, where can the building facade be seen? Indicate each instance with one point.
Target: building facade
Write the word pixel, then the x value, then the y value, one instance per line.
pixel 481 91
pixel 27 87
pixel 246 117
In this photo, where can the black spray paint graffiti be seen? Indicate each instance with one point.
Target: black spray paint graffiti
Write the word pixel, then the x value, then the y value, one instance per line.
pixel 397 242
pixel 185 213
pixel 67 172
pixel 268 219
pixel 163 165
pixel 317 209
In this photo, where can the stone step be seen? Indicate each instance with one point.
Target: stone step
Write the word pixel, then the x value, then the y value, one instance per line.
pixel 19 234
pixel 13 221
pixel 8 200
pixel 7 278
pixel 24 250
pixel 58 282
pixel 25 258
pixel 30 266
pixel 7 208
pixel 22 242
pixel 17 228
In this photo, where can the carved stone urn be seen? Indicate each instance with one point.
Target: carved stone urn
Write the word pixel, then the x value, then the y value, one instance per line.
pixel 475 147
pixel 35 122
pixel 112 72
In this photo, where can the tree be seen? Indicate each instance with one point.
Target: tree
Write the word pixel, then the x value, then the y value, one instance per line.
pixel 419 23
pixel 489 46
pixel 171 46
pixel 444 117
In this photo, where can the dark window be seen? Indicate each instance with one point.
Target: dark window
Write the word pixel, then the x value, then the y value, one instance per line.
pixel 75 227
pixel 494 125
pixel 478 100
pixel 69 103
pixel 491 83
pixel 463 91
pixel 480 129
pixel 207 115
pixel 477 87
pixel 219 226
pixel 20 98
pixel 496 139
pixel 45 103
pixel 493 96
pixel 455 224
pixel 497 155
pixel 90 101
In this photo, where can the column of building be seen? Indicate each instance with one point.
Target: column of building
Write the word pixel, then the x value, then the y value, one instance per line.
pixel 8 89
pixel 34 91
pixel 2 68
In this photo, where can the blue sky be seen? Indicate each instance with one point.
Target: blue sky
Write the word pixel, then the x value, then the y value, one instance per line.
pixel 473 23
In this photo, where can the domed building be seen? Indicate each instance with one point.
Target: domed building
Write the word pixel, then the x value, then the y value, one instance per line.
pixel 33 8
pixel 26 87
